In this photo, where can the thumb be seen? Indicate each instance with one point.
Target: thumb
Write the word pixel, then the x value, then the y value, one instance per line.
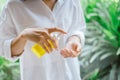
pixel 76 47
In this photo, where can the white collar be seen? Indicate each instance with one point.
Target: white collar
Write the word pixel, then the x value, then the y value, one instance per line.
pixel 59 1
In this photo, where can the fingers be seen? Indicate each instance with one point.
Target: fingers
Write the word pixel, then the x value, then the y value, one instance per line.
pixel 45 40
pixel 75 47
pixel 51 30
pixel 69 53
pixel 75 54
pixel 46 45
pixel 54 43
pixel 66 53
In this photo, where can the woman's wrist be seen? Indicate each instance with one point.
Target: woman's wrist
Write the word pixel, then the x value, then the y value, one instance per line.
pixel 17 45
pixel 22 36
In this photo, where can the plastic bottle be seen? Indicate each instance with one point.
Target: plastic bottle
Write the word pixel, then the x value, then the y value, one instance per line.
pixel 39 51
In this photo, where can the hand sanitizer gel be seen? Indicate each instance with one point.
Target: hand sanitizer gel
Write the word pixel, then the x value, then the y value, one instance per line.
pixel 39 51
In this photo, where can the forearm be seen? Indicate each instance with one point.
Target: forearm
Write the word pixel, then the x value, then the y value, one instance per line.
pixel 17 45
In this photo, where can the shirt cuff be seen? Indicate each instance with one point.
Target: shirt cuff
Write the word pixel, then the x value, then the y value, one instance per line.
pixel 80 34
pixel 7 50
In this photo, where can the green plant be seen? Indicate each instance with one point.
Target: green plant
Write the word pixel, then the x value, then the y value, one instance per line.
pixel 102 50
pixel 2 2
pixel 9 70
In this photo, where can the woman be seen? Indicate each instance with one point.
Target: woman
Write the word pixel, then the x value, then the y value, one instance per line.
pixel 24 23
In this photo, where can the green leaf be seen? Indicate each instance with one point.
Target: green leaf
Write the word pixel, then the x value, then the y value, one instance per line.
pixel 95 56
pixel 105 55
pixel 119 74
pixel 113 73
pixel 118 52
pixel 92 75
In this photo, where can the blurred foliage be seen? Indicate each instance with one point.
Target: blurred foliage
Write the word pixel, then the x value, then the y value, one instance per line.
pixel 8 70
pixel 2 2
pixel 101 55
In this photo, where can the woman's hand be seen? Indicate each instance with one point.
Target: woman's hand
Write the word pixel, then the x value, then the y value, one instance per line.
pixel 72 48
pixel 42 37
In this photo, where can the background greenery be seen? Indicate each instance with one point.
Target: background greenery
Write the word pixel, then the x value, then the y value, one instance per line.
pixel 2 2
pixel 100 58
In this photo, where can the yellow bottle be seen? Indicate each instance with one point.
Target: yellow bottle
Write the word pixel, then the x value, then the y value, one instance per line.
pixel 38 50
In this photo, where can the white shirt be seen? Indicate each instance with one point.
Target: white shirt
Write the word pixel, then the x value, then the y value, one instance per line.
pixel 18 15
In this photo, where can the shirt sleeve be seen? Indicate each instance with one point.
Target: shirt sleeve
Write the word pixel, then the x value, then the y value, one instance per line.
pixel 7 34
pixel 78 23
